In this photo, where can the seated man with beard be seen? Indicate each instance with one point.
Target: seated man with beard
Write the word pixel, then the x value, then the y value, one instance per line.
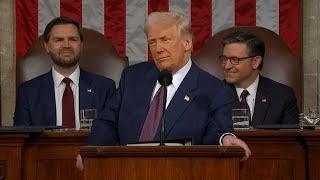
pixel 54 98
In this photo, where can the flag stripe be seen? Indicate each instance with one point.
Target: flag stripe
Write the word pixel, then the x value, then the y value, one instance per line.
pixel 182 6
pixel 115 23
pixel 93 15
pixel 136 44
pixel 245 12
pixel 289 19
pixel 26 25
pixel 122 20
pixel 71 9
pixel 47 10
pixel 156 5
pixel 222 15
pixel 201 18
pixel 267 14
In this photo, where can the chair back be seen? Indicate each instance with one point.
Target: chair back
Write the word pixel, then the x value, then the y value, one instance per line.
pixel 98 56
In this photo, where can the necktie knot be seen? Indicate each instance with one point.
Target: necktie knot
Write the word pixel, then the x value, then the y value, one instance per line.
pixel 67 81
pixel 244 94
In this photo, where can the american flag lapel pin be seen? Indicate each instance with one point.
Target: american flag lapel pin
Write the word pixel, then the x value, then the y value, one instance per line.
pixel 264 100
pixel 89 90
pixel 186 98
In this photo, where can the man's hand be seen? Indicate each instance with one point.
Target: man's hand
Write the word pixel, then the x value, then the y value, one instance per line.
pixel 229 140
pixel 79 163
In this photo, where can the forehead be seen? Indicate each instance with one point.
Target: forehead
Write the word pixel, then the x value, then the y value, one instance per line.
pixel 64 30
pixel 235 49
pixel 158 32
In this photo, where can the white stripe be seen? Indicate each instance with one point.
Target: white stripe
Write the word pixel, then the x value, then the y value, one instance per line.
pixel 267 14
pixel 136 41
pixel 182 6
pixel 47 10
pixel 223 15
pixel 93 15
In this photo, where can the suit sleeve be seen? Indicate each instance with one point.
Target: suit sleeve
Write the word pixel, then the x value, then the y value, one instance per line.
pixel 21 114
pixel 104 129
pixel 291 111
pixel 220 121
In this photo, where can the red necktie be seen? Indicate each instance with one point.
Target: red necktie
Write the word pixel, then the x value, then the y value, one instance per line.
pixel 153 118
pixel 68 116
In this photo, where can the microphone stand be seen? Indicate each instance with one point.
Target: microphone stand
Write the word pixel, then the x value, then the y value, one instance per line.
pixel 162 128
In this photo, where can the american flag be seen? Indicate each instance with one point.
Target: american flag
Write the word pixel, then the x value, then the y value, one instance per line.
pixel 122 20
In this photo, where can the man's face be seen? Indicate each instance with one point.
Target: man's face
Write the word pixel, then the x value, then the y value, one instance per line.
pixel 64 45
pixel 169 49
pixel 244 73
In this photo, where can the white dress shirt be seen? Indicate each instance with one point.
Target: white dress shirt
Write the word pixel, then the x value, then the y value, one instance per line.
pixel 59 88
pixel 251 98
pixel 177 78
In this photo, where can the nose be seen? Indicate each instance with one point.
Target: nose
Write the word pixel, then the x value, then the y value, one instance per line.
pixel 66 43
pixel 227 65
pixel 159 48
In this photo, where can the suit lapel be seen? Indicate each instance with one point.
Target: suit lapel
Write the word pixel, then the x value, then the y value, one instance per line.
pixel 49 94
pixel 261 103
pixel 86 91
pixel 145 95
pixel 181 99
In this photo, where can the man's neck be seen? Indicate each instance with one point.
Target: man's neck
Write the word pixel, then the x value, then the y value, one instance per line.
pixel 66 72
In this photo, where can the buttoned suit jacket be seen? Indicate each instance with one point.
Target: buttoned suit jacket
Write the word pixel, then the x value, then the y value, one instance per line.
pixel 200 108
pixel 35 104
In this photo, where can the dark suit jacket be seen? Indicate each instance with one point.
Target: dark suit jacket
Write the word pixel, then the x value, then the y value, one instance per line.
pixel 204 117
pixel 35 104
pixel 275 104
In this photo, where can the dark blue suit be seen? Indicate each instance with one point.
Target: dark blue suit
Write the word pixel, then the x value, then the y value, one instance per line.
pixel 35 105
pixel 204 117
pixel 275 103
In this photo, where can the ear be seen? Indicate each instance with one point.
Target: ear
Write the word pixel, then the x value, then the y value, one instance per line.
pixel 46 46
pixel 188 44
pixel 256 62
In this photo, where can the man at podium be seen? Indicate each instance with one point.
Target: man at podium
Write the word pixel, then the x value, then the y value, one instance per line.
pixel 197 104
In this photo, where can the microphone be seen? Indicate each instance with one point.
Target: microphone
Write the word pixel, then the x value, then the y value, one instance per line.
pixel 165 79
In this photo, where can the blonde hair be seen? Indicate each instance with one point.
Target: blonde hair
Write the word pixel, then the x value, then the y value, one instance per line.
pixel 166 19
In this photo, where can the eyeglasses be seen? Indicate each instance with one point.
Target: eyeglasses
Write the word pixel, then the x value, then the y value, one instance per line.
pixel 233 60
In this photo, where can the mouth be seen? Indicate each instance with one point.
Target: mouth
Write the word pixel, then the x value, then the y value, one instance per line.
pixel 161 58
pixel 66 53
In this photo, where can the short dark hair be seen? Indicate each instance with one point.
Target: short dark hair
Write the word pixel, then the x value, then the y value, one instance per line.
pixel 255 45
pixel 58 21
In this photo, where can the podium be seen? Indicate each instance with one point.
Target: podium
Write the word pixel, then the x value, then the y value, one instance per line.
pixel 161 162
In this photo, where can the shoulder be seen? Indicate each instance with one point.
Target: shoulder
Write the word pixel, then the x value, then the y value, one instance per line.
pixel 37 81
pixel 209 81
pixel 140 67
pixel 95 78
pixel 274 85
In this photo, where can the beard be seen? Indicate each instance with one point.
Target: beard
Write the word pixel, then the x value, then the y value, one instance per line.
pixel 64 63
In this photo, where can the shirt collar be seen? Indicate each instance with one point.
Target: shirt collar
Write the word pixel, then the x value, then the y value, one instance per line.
pixel 57 77
pixel 179 75
pixel 252 89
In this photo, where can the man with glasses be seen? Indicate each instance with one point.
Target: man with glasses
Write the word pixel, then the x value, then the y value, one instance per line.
pixel 268 102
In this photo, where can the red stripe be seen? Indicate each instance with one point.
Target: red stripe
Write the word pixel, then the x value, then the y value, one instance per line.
pixel 290 23
pixel 26 25
pixel 156 6
pixel 71 9
pixel 115 23
pixel 201 18
pixel 245 12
